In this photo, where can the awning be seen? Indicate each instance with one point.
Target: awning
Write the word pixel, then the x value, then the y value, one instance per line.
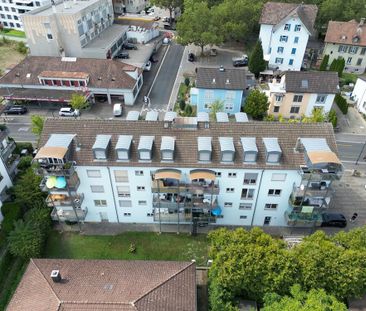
pixel 51 152
pixel 317 157
pixel 202 174
pixel 168 173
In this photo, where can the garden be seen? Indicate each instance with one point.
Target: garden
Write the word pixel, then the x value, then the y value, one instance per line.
pixel 182 106
pixel 11 53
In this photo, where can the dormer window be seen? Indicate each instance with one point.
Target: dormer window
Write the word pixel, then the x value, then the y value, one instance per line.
pixel 250 150
pixel 145 148
pixel 123 147
pixel 100 147
pixel 204 149
pixel 273 150
pixel 227 149
pixel 203 117
pixel 287 27
pixel 222 117
pixel 167 148
pixel 169 118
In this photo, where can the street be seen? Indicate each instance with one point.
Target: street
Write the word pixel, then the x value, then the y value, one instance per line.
pixel 350 147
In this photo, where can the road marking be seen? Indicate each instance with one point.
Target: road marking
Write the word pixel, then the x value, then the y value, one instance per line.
pixel 352 142
pixel 23 129
pixel 344 145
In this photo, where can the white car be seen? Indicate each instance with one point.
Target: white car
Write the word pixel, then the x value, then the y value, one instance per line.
pixel 147 66
pixel 117 110
pixel 68 112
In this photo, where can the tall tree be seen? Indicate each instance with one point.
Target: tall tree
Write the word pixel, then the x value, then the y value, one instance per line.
pixel 256 61
pixel 340 66
pixel 168 4
pixel 216 106
pixel 196 25
pixel 324 63
pixel 78 101
pixel 256 104
pixel 37 125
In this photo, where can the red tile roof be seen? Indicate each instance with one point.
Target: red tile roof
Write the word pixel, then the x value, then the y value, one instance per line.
pixel 346 33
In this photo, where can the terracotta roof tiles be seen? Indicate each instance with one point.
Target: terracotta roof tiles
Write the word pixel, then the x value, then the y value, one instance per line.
pixel 346 32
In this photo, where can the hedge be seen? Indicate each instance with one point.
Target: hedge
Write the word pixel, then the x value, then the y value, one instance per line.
pixel 21 146
pixel 11 212
pixel 341 103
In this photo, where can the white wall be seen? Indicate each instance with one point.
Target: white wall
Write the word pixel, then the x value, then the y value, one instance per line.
pixel 326 106
pixel 5 182
pixel 143 36
pixel 265 35
pixel 359 94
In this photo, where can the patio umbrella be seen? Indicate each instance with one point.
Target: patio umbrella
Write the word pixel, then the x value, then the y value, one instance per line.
pixel 216 211
pixel 51 182
pixel 60 182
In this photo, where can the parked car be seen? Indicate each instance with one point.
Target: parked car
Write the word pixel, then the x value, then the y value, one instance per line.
pixel 129 46
pixel 117 110
pixel 169 26
pixel 147 66
pixel 68 112
pixel 191 57
pixel 16 109
pixel 123 55
pixel 101 99
pixel 333 220
pixel 153 59
pixel 166 19
pixel 240 61
pixel 156 18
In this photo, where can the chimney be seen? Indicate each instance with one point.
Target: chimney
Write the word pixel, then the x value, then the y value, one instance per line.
pixel 222 68
pixel 56 276
pixel 227 81
pixel 213 81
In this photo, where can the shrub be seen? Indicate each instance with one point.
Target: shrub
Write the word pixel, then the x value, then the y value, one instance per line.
pixel 11 212
pixel 324 63
pixel 21 48
pixel 132 248
pixel 182 104
pixel 188 110
pixel 20 146
pixel 25 162
pixel 39 217
pixel 332 117
pixel 187 81
pixel 341 103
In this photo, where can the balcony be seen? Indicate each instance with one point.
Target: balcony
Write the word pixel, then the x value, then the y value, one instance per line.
pixel 60 200
pixel 317 202
pixel 313 189
pixel 60 169
pixel 61 214
pixel 7 151
pixel 301 219
pixel 162 186
pixel 201 216
pixel 60 184
pixel 320 174
pixel 11 165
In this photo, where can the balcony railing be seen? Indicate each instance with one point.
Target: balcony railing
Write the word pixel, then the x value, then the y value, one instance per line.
pixel 64 201
pixel 158 186
pixel 317 202
pixel 186 203
pixel 294 218
pixel 61 214
pixel 184 215
pixel 319 174
pixel 313 190
pixel 66 169
pixel 7 151
pixel 12 163
pixel 72 185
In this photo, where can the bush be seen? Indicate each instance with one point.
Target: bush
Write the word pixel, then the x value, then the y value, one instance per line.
pixel 188 110
pixel 187 81
pixel 324 63
pixel 20 146
pixel 21 48
pixel 39 217
pixel 341 103
pixel 25 162
pixel 182 104
pixel 332 117
pixel 11 212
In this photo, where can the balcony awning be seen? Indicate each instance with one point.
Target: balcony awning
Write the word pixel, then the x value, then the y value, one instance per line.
pixel 317 157
pixel 51 152
pixel 202 174
pixel 168 173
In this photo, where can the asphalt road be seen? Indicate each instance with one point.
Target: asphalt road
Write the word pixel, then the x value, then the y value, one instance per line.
pixel 20 130
pixel 162 86
pixel 350 147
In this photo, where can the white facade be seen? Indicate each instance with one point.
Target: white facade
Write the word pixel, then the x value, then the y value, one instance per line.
pixel 10 12
pixel 323 101
pixel 142 35
pixel 359 95
pixel 284 44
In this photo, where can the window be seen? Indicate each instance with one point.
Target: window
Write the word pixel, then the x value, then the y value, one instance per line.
pixel 245 206
pixel 291 62
pixel 247 193
pixel 276 108
pixel 297 98
pixel 16 17
pixel 321 99
pixel 278 98
pixel 349 60
pixel 140 188
pixel 342 49
pixel 293 51
pixel 359 61
pixel 123 191
pixel 296 40
pixel 283 38
pixel 142 202
pixel 125 203
pixel 127 214
pixel 231 175
pixel 205 156
pixel 139 173
pixel 228 204
pixel 230 190
pixel 9 16
pixel 353 49
pixel 287 27
pixel 100 202
pixel 267 220
pixel 121 176
pixel 100 154
pixel 97 188
pixel 150 214
pixel 295 109
pixel 279 60
pixel 274 192
pixel 250 178
pixel 270 206
pixel 297 27
pixel 218 174
pixel 280 49
pixel 93 173
pixel 6 8
pixel 49 36
pixel 278 177
pixel 363 51
pixel 229 106
pixel 243 217
pixel 122 155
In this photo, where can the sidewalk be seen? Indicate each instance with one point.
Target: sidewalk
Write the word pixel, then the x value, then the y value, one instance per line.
pixel 352 122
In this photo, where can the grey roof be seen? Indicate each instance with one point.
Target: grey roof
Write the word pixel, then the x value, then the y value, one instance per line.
pixel 249 144
pixel 241 117
pixel 170 116
pixel 133 115
pixel 315 144
pixel 204 143
pixel 203 117
pixel 146 142
pixel 214 78
pixel 321 82
pixel 222 117
pixel 226 144
pixel 167 143
pixel 124 142
pixel 60 140
pixel 152 115
pixel 102 141
pixel 271 144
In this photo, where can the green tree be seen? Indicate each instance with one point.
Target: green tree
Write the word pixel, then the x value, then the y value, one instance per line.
pixel 324 63
pixel 182 104
pixel 334 64
pixel 332 117
pixel 40 218
pixel 317 115
pixel 25 240
pixel 37 125
pixel 256 61
pixel 188 111
pixel 341 103
pixel 187 82
pixel 78 101
pixel 196 25
pixel 340 66
pixel 216 106
pixel 22 48
pixel 256 104
pixel 315 300
pixel 168 4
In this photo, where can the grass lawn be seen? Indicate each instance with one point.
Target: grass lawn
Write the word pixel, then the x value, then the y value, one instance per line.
pixel 9 55
pixel 13 33
pixel 349 77
pixel 149 246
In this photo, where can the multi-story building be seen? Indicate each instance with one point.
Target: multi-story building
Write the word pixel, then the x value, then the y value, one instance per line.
pixel 298 93
pixel 185 170
pixel 11 10
pixel 228 86
pixel 284 33
pixel 359 94
pixel 347 40
pixel 79 28
pixel 129 6
pixel 55 80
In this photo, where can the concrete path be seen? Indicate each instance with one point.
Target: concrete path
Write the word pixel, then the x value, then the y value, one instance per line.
pixel 13 38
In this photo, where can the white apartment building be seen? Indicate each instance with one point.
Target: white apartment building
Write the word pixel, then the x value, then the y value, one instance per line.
pixel 10 11
pixel 185 170
pixel 129 6
pixel 284 33
pixel 359 94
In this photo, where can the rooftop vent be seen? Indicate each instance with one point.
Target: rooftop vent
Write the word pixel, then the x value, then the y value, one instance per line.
pixel 99 78
pixel 227 81
pixel 56 276
pixel 222 68
pixel 68 59
pixel 113 79
pixel 28 75
pixel 213 81
pixel 343 37
pixel 304 84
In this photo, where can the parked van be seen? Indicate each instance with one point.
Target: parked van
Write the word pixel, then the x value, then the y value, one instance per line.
pixel 117 110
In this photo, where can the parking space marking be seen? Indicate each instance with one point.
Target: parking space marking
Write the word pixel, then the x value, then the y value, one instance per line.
pixel 23 129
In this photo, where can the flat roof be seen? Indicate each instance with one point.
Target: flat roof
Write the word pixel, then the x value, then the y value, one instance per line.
pixel 71 7
pixel 105 39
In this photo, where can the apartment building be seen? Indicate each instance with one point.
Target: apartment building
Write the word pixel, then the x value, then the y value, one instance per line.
pixel 185 170
pixel 284 32
pixel 11 11
pixel 129 6
pixel 80 28
pixel 347 40
pixel 56 79
pixel 359 94
pixel 298 93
